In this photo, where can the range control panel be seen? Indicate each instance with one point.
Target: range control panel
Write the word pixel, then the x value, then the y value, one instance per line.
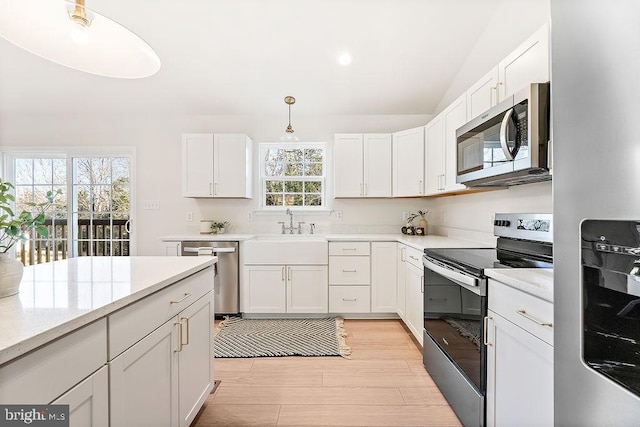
pixel 538 227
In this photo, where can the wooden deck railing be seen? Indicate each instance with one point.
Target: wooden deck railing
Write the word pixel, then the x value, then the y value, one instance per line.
pixel 98 237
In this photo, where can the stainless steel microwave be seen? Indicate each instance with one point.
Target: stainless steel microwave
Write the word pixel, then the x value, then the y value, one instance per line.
pixel 508 144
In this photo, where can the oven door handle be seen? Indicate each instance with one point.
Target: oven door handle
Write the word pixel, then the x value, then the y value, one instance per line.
pixel 467 282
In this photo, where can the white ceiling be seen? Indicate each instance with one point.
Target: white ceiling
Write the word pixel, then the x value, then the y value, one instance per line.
pixel 244 56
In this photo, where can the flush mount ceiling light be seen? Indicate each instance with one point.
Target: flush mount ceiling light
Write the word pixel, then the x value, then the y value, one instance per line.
pixel 344 59
pixel 69 34
pixel 288 133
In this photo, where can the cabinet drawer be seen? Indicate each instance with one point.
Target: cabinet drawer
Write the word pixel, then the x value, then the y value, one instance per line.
pixel 523 309
pixel 349 299
pixel 414 257
pixel 46 373
pixel 442 299
pixel 349 248
pixel 349 270
pixel 131 324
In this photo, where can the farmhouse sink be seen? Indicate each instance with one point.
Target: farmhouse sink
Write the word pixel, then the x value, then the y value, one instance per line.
pixel 286 249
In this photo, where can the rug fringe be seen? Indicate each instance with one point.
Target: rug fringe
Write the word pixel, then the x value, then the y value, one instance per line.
pixel 221 324
pixel 341 334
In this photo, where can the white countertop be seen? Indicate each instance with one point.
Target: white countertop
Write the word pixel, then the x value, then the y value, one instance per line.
pixel 417 242
pixel 58 297
pixel 534 281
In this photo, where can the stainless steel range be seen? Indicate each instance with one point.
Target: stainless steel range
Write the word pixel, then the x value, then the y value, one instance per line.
pixel 455 304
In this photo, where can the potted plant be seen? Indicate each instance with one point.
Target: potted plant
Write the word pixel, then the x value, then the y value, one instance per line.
pixel 218 227
pixel 14 228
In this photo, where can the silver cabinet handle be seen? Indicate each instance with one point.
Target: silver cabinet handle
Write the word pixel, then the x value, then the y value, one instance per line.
pixel 186 295
pixel 283 277
pixel 491 103
pixel 349 271
pixel 361 189
pixel 420 187
pixel 289 274
pixel 414 258
pixel 523 313
pixel 485 325
pixel 179 337
pixel 503 134
pixel 365 188
pixel 349 299
pixel 215 192
pixel 349 249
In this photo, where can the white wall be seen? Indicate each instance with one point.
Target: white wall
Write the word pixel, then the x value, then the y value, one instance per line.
pixel 157 140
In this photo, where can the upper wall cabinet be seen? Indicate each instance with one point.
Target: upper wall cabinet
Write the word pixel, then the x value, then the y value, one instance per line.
pixel 408 163
pixel 528 63
pixel 362 165
pixel 434 155
pixel 216 165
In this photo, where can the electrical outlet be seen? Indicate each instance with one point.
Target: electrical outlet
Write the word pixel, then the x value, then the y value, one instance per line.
pixel 250 216
pixel 405 215
pixel 337 214
pixel 151 205
pixel 189 216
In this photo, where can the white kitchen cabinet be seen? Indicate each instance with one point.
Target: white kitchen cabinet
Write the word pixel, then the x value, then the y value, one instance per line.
pixel 384 277
pixel 483 94
pixel 414 294
pixel 401 281
pixel 285 289
pixel 529 63
pixel 349 299
pixel 171 248
pixel 519 360
pixel 408 163
pixel 434 155
pixel 362 165
pixel 88 401
pixel 217 165
pixel 349 268
pixel 454 116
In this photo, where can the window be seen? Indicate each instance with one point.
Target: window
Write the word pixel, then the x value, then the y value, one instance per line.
pixel 293 175
pixel 92 215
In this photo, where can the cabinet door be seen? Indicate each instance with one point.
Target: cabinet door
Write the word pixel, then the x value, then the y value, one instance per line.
pixel 529 63
pixel 144 381
pixel 434 155
pixel 402 286
pixel 195 359
pixel 197 165
pixel 415 313
pixel 307 289
pixel 377 165
pixel 519 376
pixel 348 166
pixel 171 248
pixel 408 163
pixel 455 116
pixel 232 171
pixel 264 289
pixel 483 94
pixel 384 277
pixel 88 401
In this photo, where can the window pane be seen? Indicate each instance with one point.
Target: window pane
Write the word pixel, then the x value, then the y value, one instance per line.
pixel 273 155
pixel 313 169
pixel 42 172
pixel 274 186
pixel 313 155
pixel 273 200
pixel 294 155
pixel 101 198
pixel 120 170
pixel 312 187
pixel 293 187
pixel 59 171
pixel 312 200
pixel 24 171
pixel 120 198
pixel 293 200
pixel 83 197
pixel 101 170
pixel 274 169
pixel 294 169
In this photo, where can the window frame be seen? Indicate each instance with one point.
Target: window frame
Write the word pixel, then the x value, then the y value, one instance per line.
pixel 263 178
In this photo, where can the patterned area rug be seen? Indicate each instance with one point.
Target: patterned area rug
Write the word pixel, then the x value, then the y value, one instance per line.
pixel 237 337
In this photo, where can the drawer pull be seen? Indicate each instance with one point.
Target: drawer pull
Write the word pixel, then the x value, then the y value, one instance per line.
pixel 349 299
pixel 349 249
pixel 180 345
pixel 349 271
pixel 524 314
pixel 186 295
pixel 414 258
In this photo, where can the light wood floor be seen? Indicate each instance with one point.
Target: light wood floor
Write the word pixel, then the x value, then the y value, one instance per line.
pixel 383 384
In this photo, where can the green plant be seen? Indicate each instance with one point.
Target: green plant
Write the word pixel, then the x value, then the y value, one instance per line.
pixel 15 228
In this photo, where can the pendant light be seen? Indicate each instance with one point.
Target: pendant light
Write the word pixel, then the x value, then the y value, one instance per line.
pixel 72 35
pixel 288 133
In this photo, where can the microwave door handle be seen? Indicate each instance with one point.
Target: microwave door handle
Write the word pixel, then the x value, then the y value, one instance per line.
pixel 503 134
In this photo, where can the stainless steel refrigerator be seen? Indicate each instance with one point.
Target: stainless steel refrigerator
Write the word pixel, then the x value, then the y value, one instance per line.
pixel 595 85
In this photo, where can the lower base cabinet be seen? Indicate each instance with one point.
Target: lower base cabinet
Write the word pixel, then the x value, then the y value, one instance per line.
pixel 165 377
pixel 414 313
pixel 88 401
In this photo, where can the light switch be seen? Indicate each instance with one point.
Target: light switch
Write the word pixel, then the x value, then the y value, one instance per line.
pixel 153 205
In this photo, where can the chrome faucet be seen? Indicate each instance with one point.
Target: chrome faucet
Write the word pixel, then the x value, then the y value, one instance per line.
pixel 288 212
pixel 312 226
pixel 291 227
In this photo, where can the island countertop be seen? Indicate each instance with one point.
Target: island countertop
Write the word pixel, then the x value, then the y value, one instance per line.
pixel 58 297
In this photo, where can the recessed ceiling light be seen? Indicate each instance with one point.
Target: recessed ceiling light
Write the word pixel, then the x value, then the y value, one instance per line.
pixel 344 59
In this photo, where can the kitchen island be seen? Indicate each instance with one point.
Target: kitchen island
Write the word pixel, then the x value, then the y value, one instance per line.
pixel 111 337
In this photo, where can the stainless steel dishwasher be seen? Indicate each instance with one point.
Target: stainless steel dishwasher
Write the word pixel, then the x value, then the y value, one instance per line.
pixel 227 286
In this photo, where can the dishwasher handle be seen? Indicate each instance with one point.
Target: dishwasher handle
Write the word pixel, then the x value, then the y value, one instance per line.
pixel 209 250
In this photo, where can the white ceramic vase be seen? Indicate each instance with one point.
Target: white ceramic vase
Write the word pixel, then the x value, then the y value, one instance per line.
pixel 10 275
